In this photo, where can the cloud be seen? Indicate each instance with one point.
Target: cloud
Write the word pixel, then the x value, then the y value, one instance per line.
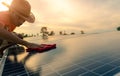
pixel 90 15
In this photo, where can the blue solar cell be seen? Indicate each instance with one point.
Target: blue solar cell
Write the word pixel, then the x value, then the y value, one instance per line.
pixel 112 72
pixel 67 69
pixel 53 74
pixel 21 73
pixel 106 60
pixel 89 74
pixel 85 63
pixel 115 63
pixel 93 65
pixel 13 68
pixel 66 60
pixel 46 71
pixel 103 69
pixel 75 72
pixel 61 64
pixel 98 57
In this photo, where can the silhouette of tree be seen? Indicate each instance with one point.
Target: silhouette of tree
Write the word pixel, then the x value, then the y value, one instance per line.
pixel 51 33
pixel 82 32
pixel 25 35
pixel 118 28
pixel 72 33
pixel 65 33
pixel 61 33
pixel 44 32
pixel 37 34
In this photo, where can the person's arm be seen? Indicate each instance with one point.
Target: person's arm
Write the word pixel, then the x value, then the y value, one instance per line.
pixel 19 35
pixel 10 37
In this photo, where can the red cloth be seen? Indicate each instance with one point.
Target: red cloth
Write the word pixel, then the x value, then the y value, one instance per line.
pixel 45 47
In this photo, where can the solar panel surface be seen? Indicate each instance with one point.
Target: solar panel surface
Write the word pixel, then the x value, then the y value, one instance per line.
pixel 88 55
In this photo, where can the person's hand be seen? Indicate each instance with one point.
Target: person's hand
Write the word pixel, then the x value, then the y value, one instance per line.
pixel 33 45
pixel 20 36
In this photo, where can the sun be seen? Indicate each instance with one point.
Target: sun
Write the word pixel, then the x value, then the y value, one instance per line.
pixel 3 7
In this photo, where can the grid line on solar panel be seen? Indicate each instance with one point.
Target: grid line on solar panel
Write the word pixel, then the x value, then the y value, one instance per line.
pixel 115 63
pixel 89 74
pixel 55 70
pixel 110 63
pixel 99 57
pixel 44 70
pixel 13 68
pixel 107 60
pixel 75 72
pixel 26 69
pixel 93 65
pixel 52 74
pixel 110 71
pixel 85 63
pixel 103 69
pixel 107 63
pixel 114 72
pixel 67 69
pixel 48 74
pixel 114 59
pixel 59 64
pixel 89 71
pixel 102 64
pixel 16 74
pixel 17 70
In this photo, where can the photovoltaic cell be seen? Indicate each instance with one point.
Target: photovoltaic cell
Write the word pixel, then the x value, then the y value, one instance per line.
pixel 13 68
pixel 66 60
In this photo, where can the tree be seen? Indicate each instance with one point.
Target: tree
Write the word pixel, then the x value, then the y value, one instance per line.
pixel 51 33
pixel 118 28
pixel 82 32
pixel 61 33
pixel 72 33
pixel 44 32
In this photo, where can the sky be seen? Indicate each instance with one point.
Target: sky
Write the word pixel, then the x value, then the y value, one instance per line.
pixel 73 16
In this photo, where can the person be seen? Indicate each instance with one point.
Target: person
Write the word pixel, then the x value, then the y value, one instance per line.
pixel 19 12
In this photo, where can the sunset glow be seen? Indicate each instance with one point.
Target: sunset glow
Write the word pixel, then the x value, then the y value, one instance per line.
pixel 87 15
pixel 3 7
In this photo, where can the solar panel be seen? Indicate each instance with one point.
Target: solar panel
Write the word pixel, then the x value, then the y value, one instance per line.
pixel 13 68
pixel 72 57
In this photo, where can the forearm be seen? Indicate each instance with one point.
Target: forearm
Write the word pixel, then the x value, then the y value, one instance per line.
pixel 4 34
